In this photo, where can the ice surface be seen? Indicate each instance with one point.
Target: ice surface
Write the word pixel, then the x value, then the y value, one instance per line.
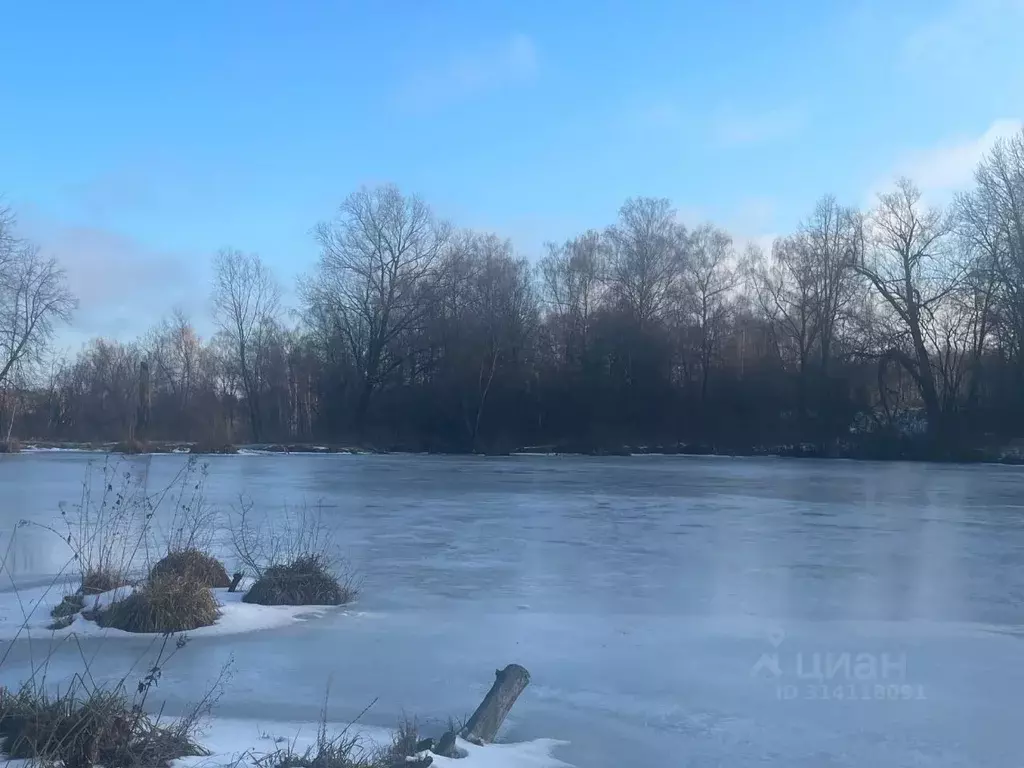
pixel 641 593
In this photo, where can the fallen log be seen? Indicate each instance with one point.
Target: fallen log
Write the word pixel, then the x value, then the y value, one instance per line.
pixel 484 724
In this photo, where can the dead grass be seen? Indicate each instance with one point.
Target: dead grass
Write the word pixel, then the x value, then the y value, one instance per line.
pixel 61 622
pixel 164 603
pixel 306 580
pixel 193 564
pixel 69 606
pixel 339 752
pixel 347 751
pixel 79 729
pixel 403 744
pixel 10 446
pixel 98 580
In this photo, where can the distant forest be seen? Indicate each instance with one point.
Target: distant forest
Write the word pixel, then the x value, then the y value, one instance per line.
pixel 871 331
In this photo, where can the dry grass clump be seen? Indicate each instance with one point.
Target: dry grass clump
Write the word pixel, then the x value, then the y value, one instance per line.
pixel 339 752
pixel 404 741
pixel 164 603
pixel 79 729
pixel 69 606
pixel 194 564
pixel 10 446
pixel 346 751
pixel 305 580
pixel 97 580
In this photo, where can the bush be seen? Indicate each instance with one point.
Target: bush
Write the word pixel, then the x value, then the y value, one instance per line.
pixel 81 729
pixel 306 580
pixel 193 564
pixel 10 446
pixel 165 603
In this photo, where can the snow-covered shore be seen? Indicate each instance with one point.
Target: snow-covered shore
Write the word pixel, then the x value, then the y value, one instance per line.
pixel 25 613
pixel 243 742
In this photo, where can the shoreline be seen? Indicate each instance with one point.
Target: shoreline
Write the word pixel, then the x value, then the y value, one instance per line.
pixel 1009 455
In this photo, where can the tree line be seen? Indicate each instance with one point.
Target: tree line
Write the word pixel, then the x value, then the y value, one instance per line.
pixel 896 326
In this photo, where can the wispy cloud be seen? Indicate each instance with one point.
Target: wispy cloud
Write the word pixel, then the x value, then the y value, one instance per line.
pixel 123 285
pixel 512 61
pixel 732 128
pixel 947 167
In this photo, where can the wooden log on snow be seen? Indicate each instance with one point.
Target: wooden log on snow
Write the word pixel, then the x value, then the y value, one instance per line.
pixel 484 724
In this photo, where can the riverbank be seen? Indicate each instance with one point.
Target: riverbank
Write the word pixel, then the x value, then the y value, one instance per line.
pixel 859 450
pixel 1011 453
pixel 176 446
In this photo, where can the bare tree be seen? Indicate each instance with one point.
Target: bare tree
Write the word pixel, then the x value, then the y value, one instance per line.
pixel 990 221
pixel 909 265
pixel 833 239
pixel 957 336
pixel 247 303
pixel 785 293
pixel 177 358
pixel 33 297
pixel 375 259
pixel 648 251
pixel 504 314
pixel 808 288
pixel 572 284
pixel 710 278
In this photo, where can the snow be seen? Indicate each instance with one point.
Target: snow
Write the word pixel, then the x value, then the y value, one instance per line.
pixel 27 613
pixel 104 600
pixel 54 449
pixel 243 742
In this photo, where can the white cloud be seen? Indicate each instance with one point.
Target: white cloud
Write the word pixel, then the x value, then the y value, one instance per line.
pixel 774 125
pixel 948 167
pixel 505 63
pixel 123 286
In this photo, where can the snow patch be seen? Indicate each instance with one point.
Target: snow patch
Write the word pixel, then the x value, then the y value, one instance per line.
pixel 26 612
pixel 243 742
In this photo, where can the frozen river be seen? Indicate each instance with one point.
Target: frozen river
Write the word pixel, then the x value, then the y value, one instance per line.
pixel 672 611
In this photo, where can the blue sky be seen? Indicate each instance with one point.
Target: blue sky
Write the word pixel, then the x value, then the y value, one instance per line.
pixel 137 138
